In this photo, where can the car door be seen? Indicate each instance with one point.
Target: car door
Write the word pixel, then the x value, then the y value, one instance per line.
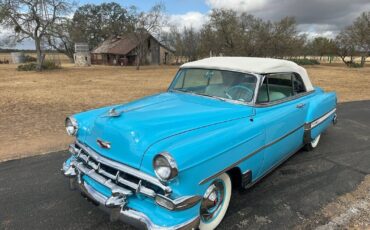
pixel 282 106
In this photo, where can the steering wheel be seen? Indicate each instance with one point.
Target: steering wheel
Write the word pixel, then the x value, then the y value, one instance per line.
pixel 234 93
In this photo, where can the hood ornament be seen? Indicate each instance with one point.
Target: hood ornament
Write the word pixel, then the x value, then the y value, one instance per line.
pixel 113 113
pixel 103 144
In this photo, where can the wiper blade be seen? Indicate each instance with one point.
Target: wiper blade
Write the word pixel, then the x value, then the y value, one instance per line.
pixel 219 98
pixel 180 90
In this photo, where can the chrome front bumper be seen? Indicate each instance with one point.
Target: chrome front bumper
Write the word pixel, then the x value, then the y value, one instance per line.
pixel 116 204
pixel 132 217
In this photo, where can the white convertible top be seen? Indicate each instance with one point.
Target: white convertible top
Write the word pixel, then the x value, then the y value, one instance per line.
pixel 252 65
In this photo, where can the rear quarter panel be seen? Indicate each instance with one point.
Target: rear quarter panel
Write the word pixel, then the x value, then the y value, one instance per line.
pixel 319 105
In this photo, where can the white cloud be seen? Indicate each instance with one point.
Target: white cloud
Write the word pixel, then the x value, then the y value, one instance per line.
pixel 238 5
pixel 190 19
pixel 315 17
pixel 318 30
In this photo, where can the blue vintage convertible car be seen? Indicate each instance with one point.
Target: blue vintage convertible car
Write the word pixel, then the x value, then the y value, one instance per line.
pixel 170 161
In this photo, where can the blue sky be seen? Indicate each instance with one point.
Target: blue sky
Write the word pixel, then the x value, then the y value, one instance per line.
pixel 172 6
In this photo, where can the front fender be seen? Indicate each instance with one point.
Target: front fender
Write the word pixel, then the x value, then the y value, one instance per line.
pixel 86 120
pixel 205 152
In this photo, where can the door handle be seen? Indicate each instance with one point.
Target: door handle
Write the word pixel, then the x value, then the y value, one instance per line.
pixel 300 106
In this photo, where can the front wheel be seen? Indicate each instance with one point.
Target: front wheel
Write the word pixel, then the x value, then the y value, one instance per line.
pixel 215 202
pixel 313 144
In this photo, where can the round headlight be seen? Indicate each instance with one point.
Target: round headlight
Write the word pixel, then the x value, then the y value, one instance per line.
pixel 71 126
pixel 165 167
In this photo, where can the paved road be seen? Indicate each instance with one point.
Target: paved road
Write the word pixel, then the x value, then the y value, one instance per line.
pixel 34 195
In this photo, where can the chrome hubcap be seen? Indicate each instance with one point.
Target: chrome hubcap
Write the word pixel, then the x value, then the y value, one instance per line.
pixel 212 201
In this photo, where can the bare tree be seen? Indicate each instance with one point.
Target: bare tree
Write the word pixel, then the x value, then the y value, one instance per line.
pixel 232 33
pixel 60 39
pixel 285 38
pixel 173 39
pixel 345 46
pixel 321 46
pixel 208 43
pixel 32 19
pixel 360 31
pixel 355 39
pixel 191 42
pixel 227 31
pixel 148 24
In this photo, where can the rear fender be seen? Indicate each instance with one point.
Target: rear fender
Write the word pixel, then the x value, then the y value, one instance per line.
pixel 320 114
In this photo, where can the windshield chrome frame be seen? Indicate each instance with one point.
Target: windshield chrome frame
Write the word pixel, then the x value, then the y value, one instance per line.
pixel 250 103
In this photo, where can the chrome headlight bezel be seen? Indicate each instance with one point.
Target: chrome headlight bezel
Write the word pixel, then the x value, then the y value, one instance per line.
pixel 165 160
pixel 71 126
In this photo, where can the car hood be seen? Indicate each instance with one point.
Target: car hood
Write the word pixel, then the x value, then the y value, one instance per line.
pixel 137 125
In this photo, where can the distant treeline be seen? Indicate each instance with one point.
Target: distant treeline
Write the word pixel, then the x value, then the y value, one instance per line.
pixel 17 50
pixel 25 51
pixel 230 33
pixel 226 32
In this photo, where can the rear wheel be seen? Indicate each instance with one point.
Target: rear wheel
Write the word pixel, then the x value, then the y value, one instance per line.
pixel 215 202
pixel 313 144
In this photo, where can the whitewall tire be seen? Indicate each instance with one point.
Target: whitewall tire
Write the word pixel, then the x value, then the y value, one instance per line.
pixel 215 202
pixel 313 144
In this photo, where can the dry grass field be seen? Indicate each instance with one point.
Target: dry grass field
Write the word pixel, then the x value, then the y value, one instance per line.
pixel 33 105
pixel 58 57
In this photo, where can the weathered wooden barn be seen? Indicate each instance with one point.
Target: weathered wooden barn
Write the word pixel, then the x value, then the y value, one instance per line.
pixel 123 50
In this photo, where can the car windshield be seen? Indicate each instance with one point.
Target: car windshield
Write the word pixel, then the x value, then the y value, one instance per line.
pixel 219 84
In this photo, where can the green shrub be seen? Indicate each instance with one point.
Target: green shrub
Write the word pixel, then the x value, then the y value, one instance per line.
pixel 354 65
pixel 29 58
pixel 27 67
pixel 49 65
pixel 305 61
pixel 32 66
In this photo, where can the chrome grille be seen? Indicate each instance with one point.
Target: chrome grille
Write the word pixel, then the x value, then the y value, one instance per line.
pixel 89 162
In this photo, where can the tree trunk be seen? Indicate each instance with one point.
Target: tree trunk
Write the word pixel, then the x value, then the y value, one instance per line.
pixel 344 60
pixel 138 61
pixel 70 56
pixel 39 54
pixel 363 59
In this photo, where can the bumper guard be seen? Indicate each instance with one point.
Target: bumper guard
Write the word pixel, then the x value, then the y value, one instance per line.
pixel 115 205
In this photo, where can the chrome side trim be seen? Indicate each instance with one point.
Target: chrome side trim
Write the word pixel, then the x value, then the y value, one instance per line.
pixel 124 168
pixel 249 156
pixel 310 125
pixel 321 119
